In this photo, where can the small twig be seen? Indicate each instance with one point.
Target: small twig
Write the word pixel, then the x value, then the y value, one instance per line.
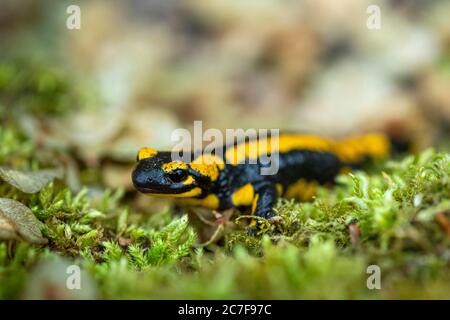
pixel 206 221
pixel 214 237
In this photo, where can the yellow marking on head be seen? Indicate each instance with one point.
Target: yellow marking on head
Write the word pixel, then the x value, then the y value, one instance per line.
pixel 286 142
pixel 191 193
pixel 211 201
pixel 243 196
pixel 208 165
pixel 209 159
pixel 171 166
pixel 302 190
pixel 145 153
pixel 189 180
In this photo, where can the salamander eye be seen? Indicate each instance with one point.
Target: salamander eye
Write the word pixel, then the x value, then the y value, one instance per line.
pixel 178 175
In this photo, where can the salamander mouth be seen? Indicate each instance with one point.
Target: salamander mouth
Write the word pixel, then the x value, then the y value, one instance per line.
pixel 152 182
pixel 162 190
pixel 142 185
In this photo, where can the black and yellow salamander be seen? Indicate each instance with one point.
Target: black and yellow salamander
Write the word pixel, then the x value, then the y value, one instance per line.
pixel 220 183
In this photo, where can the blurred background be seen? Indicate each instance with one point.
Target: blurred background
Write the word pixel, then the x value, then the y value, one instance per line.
pixel 137 70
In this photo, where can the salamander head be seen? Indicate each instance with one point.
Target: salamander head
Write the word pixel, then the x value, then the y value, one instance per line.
pixel 157 174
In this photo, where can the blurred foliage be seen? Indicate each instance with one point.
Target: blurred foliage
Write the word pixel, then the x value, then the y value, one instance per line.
pixel 14 147
pixel 37 88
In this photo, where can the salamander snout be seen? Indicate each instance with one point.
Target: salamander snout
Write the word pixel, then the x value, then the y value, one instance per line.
pixel 139 179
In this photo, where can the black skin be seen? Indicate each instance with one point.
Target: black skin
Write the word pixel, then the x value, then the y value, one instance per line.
pixel 322 167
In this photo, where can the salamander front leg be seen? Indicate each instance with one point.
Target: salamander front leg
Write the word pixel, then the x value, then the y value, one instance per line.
pixel 263 202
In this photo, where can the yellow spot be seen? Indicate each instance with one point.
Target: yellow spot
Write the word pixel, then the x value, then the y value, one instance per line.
pixel 309 191
pixel 254 206
pixel 211 201
pixel 188 194
pixel 243 196
pixel 279 189
pixel 209 159
pixel 189 180
pixel 255 203
pixel 208 165
pixel 171 166
pixel 191 193
pixel 294 189
pixel 145 153
pixel 302 190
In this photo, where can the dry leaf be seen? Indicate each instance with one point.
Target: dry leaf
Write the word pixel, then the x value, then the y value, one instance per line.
pixel 18 222
pixel 30 182
pixel 7 231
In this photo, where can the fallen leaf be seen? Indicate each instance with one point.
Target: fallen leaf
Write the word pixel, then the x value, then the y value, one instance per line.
pixel 30 182
pixel 7 231
pixel 18 222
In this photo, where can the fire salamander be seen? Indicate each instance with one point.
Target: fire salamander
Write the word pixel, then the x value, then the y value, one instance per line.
pixel 221 183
